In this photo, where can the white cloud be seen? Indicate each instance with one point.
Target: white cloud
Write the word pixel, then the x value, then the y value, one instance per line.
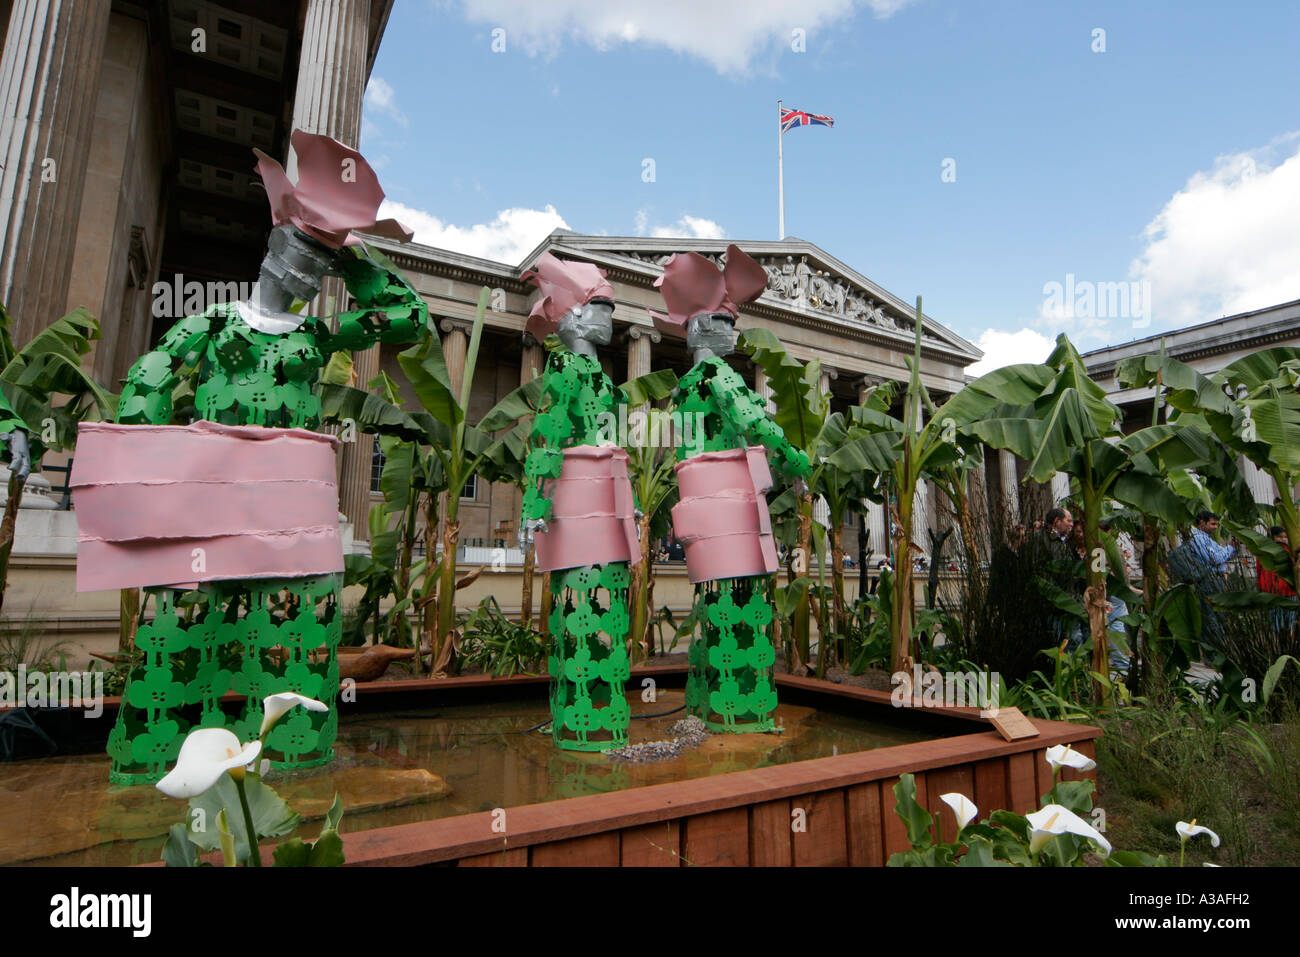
pixel 508 238
pixel 379 98
pixel 1010 348
pixel 690 227
pixel 687 227
pixel 1227 242
pixel 727 34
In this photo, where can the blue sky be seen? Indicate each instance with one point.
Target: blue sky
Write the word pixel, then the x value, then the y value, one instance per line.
pixel 1169 162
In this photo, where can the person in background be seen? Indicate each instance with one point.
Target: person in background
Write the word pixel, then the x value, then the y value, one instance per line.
pixel 1206 548
pixel 1283 618
pixel 1211 561
pixel 1116 607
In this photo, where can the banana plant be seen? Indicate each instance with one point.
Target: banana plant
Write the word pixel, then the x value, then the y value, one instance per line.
pixel 31 378
pixel 450 447
pixel 1252 407
pixel 650 467
pixel 904 452
pixel 1057 419
pixel 802 412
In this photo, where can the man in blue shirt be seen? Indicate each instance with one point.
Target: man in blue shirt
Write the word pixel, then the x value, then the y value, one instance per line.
pixel 1213 559
pixel 1209 551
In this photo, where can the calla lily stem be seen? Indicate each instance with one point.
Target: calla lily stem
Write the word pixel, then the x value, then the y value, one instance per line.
pixel 254 851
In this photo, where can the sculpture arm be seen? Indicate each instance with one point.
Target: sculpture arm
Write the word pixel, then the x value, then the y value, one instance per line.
pixel 551 427
pixel 388 309
pixel 745 411
pixel 147 392
pixel 13 431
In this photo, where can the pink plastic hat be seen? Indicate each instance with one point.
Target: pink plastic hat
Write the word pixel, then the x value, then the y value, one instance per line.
pixel 691 284
pixel 564 284
pixel 337 193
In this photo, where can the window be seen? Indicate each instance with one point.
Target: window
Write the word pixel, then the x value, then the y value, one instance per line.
pixel 470 492
pixel 376 466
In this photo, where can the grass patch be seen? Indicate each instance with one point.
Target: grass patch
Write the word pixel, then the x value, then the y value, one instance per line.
pixel 1162 763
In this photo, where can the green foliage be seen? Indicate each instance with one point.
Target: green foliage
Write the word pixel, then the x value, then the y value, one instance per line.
pixel 1004 839
pixel 272 817
pixel 498 646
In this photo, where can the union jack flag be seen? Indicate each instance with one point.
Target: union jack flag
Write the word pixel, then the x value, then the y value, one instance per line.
pixel 793 118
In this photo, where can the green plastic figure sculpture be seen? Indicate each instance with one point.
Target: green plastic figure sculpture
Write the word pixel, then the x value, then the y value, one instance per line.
pixel 579 511
pixel 258 364
pixel 722 517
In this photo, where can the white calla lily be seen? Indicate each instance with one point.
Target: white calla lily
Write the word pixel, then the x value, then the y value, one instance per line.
pixel 274 707
pixel 206 754
pixel 962 806
pixel 1186 830
pixel 1054 820
pixel 1064 756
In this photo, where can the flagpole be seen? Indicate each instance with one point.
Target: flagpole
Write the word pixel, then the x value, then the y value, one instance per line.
pixel 780 175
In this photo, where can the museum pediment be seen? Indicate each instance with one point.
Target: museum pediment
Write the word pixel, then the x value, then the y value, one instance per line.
pixel 802 279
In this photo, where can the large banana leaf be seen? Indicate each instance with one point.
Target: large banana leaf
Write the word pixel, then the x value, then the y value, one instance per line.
pixel 796 388
pixel 426 369
pixel 516 405
pixel 650 387
pixel 371 413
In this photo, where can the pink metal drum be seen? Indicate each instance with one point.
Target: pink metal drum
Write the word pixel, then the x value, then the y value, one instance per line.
pixel 172 504
pixel 722 519
pixel 592 514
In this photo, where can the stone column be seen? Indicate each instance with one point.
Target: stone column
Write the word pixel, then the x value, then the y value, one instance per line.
pixel 921 518
pixel 532 363
pixel 1060 488
pixel 877 531
pixel 1010 486
pixel 828 373
pixel 455 344
pixel 763 388
pixel 331 71
pixel 1262 487
pixel 977 504
pixel 327 99
pixel 49 85
pixel 639 339
pixel 865 385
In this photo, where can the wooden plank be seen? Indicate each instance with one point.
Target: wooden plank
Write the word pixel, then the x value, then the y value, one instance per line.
pixel 719 839
pixel 1043 774
pixel 469 835
pixel 770 835
pixel 597 850
pixel 895 831
pixel 866 833
pixel 944 781
pixel 509 857
pixel 825 843
pixel 991 792
pixel 652 845
pixel 1022 783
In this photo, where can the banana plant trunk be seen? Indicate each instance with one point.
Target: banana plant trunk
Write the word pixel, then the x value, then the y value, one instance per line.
pixel 1094 595
pixel 902 599
pixel 1149 655
pixel 640 595
pixel 128 619
pixel 839 613
pixel 548 603
pixel 430 608
pixel 401 631
pixel 7 531
pixel 802 611
pixel 526 599
pixel 447 578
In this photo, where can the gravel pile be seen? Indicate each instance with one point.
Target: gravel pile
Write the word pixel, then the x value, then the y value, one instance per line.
pixel 687 734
